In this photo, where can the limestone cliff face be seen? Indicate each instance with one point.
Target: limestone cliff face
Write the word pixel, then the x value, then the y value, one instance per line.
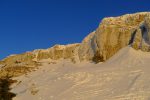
pixel 87 48
pixel 115 33
pixel 112 34
pixel 142 36
pixel 58 52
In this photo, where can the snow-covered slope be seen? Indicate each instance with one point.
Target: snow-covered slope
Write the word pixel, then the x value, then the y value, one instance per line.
pixel 123 77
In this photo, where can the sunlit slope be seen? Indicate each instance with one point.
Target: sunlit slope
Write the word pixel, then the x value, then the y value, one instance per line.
pixel 123 77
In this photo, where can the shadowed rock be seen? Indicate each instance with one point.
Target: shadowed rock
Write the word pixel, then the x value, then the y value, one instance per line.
pixel 5 93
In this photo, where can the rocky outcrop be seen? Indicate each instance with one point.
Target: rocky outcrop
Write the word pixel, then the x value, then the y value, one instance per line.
pixel 58 52
pixel 31 58
pixel 115 33
pixel 87 48
pixel 141 36
pixel 118 32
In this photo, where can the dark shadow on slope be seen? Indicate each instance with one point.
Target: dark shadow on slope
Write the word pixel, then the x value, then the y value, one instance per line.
pixel 5 84
pixel 132 37
pixel 98 58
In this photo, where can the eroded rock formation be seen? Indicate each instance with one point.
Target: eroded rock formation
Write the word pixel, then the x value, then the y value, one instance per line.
pixel 115 33
pixel 112 34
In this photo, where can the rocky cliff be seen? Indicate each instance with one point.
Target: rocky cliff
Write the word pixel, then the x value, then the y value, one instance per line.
pixel 112 34
pixel 115 33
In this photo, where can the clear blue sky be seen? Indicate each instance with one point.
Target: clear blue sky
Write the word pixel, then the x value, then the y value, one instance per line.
pixel 30 24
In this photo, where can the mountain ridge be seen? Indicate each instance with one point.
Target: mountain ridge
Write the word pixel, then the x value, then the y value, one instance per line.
pixel 113 34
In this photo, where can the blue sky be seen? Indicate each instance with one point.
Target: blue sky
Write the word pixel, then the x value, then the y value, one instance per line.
pixel 26 25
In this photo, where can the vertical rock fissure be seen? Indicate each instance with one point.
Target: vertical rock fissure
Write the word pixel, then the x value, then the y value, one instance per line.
pixel 132 37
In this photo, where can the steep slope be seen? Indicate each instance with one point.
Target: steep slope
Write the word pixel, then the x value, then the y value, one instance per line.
pixel 115 33
pixel 124 77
